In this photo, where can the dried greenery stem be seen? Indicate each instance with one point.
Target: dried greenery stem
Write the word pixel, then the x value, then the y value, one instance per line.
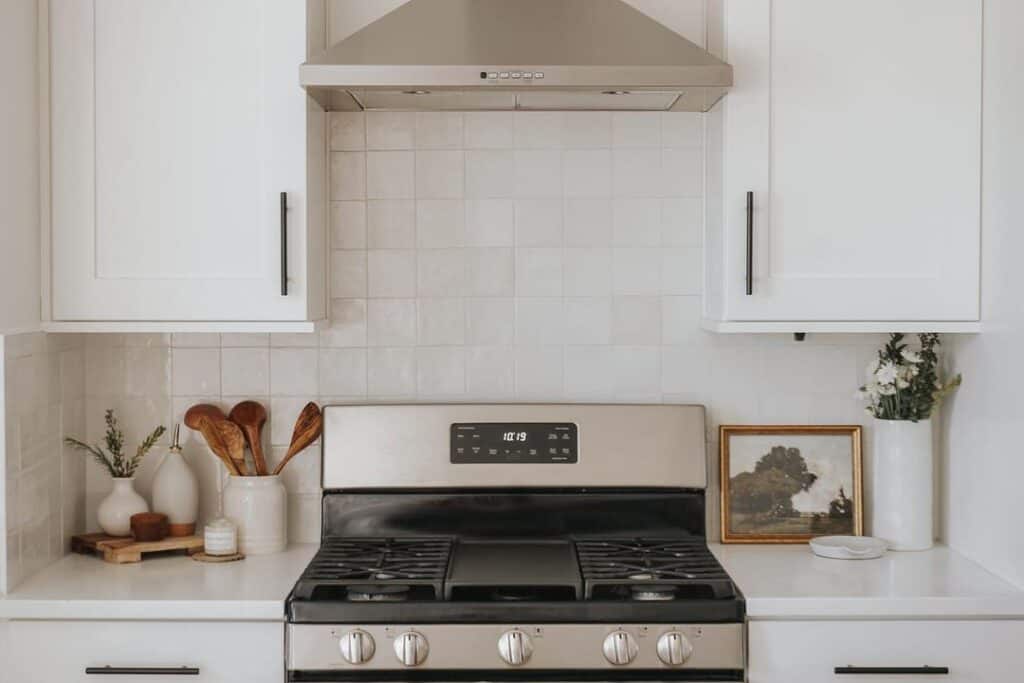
pixel 113 459
pixel 904 383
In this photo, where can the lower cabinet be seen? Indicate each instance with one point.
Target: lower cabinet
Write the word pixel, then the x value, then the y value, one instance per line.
pixel 127 651
pixel 885 651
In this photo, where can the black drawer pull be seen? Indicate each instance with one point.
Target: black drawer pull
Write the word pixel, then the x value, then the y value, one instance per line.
pixel 142 670
pixel 893 670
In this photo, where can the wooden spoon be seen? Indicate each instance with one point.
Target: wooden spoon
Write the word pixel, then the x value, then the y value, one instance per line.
pixel 234 440
pixel 208 428
pixel 307 430
pixel 250 416
pixel 200 410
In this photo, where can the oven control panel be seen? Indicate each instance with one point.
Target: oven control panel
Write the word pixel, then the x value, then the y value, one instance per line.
pixel 514 442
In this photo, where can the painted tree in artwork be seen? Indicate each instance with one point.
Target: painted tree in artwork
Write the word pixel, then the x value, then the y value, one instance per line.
pixel 841 506
pixel 768 491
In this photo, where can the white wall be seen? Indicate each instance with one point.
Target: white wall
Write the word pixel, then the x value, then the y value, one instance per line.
pixel 984 439
pixel 19 167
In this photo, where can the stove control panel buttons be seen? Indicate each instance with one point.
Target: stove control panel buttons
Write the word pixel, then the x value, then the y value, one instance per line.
pixel 620 648
pixel 357 647
pixel 674 648
pixel 515 648
pixel 411 648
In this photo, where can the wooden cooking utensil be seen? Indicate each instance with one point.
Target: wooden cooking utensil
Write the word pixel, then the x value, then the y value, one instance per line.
pixel 307 430
pixel 234 440
pixel 250 416
pixel 200 410
pixel 208 428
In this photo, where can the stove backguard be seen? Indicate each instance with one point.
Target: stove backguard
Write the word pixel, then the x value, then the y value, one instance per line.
pixel 518 445
pixel 511 514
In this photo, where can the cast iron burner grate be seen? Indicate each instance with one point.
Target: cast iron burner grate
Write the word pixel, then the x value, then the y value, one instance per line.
pixel 651 569
pixel 376 569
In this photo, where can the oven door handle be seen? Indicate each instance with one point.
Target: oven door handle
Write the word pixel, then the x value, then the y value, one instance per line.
pixel 142 670
pixel 892 670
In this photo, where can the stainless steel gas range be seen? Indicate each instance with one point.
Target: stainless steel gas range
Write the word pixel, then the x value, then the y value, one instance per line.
pixel 514 542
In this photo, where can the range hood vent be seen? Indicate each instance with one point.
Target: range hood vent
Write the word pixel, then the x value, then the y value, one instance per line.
pixel 549 55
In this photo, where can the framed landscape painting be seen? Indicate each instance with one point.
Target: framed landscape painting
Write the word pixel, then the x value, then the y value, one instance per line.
pixel 789 484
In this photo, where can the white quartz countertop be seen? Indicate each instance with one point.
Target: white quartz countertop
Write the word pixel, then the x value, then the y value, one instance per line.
pixel 82 587
pixel 778 582
pixel 790 582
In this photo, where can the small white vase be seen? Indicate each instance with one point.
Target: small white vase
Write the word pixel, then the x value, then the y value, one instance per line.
pixel 176 493
pixel 902 484
pixel 258 507
pixel 115 512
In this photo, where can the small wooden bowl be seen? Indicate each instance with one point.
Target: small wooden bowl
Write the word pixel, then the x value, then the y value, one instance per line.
pixel 149 526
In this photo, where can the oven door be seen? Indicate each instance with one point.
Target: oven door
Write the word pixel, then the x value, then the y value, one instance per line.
pixel 519 676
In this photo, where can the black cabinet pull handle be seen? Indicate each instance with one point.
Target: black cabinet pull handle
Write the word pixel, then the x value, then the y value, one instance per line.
pixel 142 670
pixel 750 243
pixel 284 244
pixel 893 670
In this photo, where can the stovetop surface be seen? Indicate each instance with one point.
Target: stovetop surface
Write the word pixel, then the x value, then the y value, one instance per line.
pixel 557 556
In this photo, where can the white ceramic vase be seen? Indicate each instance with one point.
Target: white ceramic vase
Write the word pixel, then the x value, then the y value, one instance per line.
pixel 902 484
pixel 115 512
pixel 176 493
pixel 258 507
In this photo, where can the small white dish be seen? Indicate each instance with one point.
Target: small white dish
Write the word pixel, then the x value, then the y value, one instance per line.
pixel 848 547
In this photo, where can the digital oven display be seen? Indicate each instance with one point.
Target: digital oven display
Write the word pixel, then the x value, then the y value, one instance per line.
pixel 503 442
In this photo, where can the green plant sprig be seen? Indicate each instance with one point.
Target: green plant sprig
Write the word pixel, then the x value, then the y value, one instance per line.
pixel 113 459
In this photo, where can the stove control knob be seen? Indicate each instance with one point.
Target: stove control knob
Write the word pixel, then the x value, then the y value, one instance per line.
pixel 674 648
pixel 515 648
pixel 620 648
pixel 357 647
pixel 411 648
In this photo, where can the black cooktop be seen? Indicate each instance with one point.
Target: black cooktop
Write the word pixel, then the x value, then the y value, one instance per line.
pixel 465 558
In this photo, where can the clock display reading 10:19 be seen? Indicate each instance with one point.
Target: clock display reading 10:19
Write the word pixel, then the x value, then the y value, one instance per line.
pixel 513 436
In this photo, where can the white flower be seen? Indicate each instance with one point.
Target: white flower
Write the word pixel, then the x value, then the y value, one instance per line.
pixel 887 390
pixel 911 356
pixel 887 373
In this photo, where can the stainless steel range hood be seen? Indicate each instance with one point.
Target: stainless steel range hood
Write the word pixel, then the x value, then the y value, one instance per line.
pixel 516 54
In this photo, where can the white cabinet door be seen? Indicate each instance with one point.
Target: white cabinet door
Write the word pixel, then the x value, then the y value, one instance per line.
pixel 176 125
pixel 857 127
pixel 811 651
pixel 212 652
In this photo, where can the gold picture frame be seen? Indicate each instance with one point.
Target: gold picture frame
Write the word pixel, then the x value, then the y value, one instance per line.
pixel 772 522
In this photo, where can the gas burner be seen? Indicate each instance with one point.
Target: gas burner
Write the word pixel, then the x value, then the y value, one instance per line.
pixel 363 569
pixel 653 592
pixel 378 593
pixel 651 569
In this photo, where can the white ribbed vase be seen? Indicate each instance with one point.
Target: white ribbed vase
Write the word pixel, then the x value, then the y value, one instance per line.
pixel 902 484
pixel 259 508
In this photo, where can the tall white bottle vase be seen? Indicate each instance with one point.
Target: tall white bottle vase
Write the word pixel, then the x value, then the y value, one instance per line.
pixel 902 491
pixel 176 491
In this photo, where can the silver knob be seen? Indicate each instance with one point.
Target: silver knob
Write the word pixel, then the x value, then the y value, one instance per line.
pixel 515 648
pixel 357 647
pixel 411 648
pixel 674 648
pixel 620 648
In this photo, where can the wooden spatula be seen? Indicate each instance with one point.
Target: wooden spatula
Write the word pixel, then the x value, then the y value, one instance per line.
pixel 307 430
pixel 200 410
pixel 208 428
pixel 250 416
pixel 234 440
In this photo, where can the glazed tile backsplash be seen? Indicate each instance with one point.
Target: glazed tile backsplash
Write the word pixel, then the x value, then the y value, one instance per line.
pixel 488 256
pixel 44 388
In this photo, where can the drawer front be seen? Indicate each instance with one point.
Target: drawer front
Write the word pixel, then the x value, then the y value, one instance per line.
pixel 126 651
pixel 884 651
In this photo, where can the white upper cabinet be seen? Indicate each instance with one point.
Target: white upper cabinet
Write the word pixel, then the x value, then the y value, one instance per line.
pixel 856 127
pixel 175 127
